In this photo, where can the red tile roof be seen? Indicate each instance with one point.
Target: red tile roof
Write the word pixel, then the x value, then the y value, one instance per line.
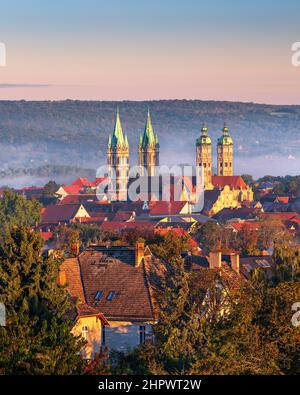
pixel 71 269
pixel 235 182
pixel 81 198
pixel 82 182
pixel 166 208
pixel 255 225
pixel 178 232
pixel 46 235
pixel 59 213
pixel 283 216
pixel 113 269
pixel 71 189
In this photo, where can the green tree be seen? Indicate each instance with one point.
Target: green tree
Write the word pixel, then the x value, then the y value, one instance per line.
pixel 68 239
pixel 50 189
pixel 37 338
pixel 16 210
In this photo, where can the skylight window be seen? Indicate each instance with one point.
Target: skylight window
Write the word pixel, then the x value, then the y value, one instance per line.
pixel 98 295
pixel 111 295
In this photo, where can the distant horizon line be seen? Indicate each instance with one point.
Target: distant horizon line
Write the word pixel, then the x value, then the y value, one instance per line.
pixel 131 100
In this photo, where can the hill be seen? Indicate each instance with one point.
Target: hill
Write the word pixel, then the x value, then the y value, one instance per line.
pixel 74 133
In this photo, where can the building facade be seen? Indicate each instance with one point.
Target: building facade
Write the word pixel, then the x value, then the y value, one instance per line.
pixel 204 157
pixel 148 150
pixel 118 162
pixel 225 154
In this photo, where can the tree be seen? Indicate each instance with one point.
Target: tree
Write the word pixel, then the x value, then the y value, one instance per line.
pixel 16 210
pixel 171 246
pixel 37 338
pixel 50 189
pixel 269 232
pixel 248 179
pixel 247 240
pixel 68 239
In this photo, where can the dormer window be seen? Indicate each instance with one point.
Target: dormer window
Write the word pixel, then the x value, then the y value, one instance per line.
pixel 111 295
pixel 98 295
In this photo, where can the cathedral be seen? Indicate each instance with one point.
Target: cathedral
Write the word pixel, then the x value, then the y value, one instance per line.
pixel 204 155
pixel 223 190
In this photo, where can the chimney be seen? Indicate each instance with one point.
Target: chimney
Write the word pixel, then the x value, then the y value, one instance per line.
pixel 62 278
pixel 215 260
pixel 139 252
pixel 235 262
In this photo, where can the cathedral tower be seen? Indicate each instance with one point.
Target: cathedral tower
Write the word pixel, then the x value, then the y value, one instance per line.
pixel 204 156
pixel 148 149
pixel 118 161
pixel 225 154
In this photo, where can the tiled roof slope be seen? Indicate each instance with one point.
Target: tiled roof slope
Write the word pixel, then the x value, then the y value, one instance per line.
pixel 72 271
pixel 235 182
pixel 108 269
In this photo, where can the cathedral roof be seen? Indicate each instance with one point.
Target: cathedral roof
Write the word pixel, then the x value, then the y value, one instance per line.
pixel 204 138
pixel 118 139
pixel 149 138
pixel 225 139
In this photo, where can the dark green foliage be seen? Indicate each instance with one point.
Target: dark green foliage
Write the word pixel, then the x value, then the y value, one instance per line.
pixel 16 210
pixel 37 338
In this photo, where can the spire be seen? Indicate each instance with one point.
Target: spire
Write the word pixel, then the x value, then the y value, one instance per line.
pixel 225 139
pixel 117 136
pixel 225 129
pixel 204 137
pixel 204 129
pixel 109 141
pixel 148 138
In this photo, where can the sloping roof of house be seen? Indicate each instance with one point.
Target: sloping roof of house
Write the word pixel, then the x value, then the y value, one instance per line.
pixel 166 208
pixel 283 216
pixel 72 189
pixel 235 182
pixel 82 198
pixel 249 263
pixel 242 213
pixel 59 213
pixel 253 225
pixel 72 271
pixel 82 182
pixel 104 270
pixel 210 198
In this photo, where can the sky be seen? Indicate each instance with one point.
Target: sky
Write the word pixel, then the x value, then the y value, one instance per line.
pixel 150 49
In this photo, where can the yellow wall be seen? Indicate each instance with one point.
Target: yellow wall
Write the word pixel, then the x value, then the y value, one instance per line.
pixel 94 336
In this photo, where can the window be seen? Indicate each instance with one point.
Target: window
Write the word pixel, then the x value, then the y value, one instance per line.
pixel 142 334
pixel 98 295
pixel 84 332
pixel 111 295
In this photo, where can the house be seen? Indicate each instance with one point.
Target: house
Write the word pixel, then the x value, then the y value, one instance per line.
pixel 227 192
pixel 88 321
pixel 242 213
pixel 168 208
pixel 57 214
pixel 122 283
pixel 66 190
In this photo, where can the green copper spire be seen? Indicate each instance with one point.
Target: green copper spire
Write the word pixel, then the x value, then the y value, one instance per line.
pixel 148 138
pixel 204 138
pixel 117 139
pixel 225 139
